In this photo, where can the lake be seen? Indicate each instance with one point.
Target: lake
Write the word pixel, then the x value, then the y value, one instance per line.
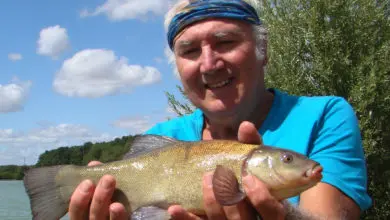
pixel 14 203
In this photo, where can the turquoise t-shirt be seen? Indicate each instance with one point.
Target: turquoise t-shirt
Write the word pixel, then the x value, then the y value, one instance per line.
pixel 324 128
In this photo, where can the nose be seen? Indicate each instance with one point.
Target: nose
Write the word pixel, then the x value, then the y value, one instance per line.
pixel 210 60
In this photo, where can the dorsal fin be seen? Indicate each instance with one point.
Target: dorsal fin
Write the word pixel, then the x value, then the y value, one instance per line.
pixel 146 143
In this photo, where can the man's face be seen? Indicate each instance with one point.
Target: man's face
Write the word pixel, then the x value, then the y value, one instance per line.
pixel 218 67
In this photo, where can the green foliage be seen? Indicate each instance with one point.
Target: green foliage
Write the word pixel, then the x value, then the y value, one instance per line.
pixel 179 108
pixel 342 48
pixel 76 155
pixel 12 172
pixel 109 151
pixel 81 155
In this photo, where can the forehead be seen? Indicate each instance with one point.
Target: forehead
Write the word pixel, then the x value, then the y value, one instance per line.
pixel 215 27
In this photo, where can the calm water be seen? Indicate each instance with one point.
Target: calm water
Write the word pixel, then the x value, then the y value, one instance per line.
pixel 14 203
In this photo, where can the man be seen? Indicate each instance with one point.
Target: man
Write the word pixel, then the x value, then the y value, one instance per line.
pixel 219 48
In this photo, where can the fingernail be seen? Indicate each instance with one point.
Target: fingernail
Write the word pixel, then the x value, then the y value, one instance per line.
pixel 208 180
pixel 249 181
pixel 86 186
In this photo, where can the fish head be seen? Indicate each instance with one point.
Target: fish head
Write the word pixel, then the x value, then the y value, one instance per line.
pixel 285 172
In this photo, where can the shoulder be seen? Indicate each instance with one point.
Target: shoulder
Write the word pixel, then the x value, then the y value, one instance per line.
pixel 310 103
pixel 186 127
pixel 316 108
pixel 335 142
pixel 307 114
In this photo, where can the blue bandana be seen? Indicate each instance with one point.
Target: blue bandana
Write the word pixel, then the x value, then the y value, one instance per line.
pixel 202 9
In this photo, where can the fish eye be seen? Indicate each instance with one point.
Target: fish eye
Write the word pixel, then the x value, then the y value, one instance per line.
pixel 287 158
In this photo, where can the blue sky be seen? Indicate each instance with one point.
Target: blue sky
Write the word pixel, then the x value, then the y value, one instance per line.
pixel 76 71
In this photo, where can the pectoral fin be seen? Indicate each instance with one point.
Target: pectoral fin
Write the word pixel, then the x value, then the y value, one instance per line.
pixel 226 187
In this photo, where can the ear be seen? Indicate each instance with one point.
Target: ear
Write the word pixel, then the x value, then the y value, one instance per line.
pixel 264 49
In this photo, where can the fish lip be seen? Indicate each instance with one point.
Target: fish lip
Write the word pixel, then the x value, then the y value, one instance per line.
pixel 314 173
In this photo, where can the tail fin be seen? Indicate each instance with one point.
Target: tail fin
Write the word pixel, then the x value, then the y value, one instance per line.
pixel 45 198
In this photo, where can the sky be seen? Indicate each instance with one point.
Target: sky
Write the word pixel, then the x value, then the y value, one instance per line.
pixel 76 71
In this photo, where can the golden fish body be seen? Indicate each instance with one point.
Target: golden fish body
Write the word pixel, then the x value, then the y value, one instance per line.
pixel 168 176
pixel 171 173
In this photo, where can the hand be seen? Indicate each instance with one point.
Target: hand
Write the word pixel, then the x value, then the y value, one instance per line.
pixel 94 202
pixel 259 199
pixel 257 192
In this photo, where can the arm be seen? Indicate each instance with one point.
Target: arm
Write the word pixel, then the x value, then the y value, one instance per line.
pixel 337 145
pixel 327 202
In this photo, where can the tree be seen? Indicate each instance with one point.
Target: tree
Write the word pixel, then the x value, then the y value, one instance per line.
pixel 342 48
pixel 338 48
pixel 178 107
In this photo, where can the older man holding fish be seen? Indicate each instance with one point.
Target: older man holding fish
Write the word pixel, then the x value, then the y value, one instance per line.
pixel 219 47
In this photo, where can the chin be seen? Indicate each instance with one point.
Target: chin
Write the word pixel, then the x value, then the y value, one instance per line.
pixel 222 111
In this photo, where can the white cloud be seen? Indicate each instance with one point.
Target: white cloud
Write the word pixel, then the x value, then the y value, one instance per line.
pixel 133 124
pixel 117 10
pixel 13 96
pixel 53 41
pixel 15 146
pixel 97 72
pixel 15 56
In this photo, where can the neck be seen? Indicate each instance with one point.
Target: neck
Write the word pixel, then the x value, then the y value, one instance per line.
pixel 228 129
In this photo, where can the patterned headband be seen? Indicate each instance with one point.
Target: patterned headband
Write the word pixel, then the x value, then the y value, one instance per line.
pixel 203 9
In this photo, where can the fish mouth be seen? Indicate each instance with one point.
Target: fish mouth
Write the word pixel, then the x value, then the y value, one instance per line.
pixel 314 173
pixel 219 84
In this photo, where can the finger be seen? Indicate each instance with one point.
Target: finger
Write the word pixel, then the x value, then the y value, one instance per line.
pixel 79 202
pixel 94 163
pixel 177 213
pixel 212 208
pixel 247 133
pixel 242 210
pixel 118 211
pixel 262 200
pixel 102 197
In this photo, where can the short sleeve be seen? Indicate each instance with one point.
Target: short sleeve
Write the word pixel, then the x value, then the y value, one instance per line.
pixel 185 128
pixel 337 146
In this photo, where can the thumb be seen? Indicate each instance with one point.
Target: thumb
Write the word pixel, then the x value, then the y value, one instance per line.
pixel 248 134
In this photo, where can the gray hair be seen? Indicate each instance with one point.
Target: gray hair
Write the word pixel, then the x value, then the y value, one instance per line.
pixel 259 32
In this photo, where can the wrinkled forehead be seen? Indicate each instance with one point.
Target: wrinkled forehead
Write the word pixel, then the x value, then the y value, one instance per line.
pixel 199 10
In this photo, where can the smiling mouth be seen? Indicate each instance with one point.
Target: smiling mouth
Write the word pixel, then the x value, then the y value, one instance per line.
pixel 219 84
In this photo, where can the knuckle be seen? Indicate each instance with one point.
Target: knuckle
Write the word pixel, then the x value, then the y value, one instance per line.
pixel 94 163
pixel 99 200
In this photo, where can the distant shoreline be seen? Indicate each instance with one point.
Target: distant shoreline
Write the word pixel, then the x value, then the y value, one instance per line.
pixel 76 155
pixel 12 172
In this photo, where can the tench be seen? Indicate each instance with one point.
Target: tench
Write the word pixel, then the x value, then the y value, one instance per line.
pixel 160 171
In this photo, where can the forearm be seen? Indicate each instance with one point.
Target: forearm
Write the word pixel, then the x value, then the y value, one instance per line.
pixel 296 213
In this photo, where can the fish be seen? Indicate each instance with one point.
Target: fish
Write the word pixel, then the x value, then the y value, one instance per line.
pixel 160 171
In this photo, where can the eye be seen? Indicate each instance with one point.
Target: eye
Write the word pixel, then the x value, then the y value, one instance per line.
pixel 188 51
pixel 226 43
pixel 287 158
